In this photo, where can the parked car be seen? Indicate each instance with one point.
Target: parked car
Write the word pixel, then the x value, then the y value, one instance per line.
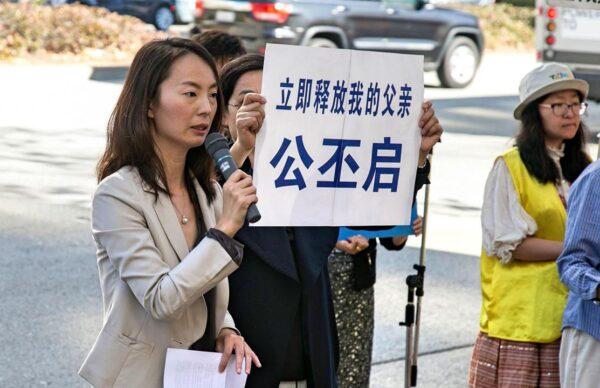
pixel 161 13
pixel 450 40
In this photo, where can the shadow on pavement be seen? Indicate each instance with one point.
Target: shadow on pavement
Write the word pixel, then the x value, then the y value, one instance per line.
pixel 492 116
pixel 45 164
pixel 478 115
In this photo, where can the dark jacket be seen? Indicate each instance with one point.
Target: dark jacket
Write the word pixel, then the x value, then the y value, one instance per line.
pixel 276 280
pixel 265 293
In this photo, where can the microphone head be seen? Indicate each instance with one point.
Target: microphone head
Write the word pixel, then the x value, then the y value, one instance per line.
pixel 215 142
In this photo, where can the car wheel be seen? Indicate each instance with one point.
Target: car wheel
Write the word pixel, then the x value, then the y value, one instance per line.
pixel 321 42
pixel 163 18
pixel 459 65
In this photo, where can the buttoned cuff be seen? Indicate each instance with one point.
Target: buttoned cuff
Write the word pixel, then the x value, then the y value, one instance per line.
pixel 234 248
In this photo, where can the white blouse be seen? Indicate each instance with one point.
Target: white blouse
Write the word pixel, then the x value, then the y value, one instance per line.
pixel 505 224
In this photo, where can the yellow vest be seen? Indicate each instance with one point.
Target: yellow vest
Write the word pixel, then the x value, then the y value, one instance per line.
pixel 524 301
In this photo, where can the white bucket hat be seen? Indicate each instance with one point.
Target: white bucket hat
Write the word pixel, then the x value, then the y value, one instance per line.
pixel 549 78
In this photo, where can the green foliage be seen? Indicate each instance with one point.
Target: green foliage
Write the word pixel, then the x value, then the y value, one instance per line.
pixel 505 26
pixel 520 3
pixel 30 28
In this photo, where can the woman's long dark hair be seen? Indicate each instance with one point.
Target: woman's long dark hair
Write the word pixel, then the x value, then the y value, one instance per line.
pixel 531 143
pixel 130 141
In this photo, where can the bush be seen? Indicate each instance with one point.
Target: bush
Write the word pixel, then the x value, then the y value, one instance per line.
pixel 519 3
pixel 30 28
pixel 505 26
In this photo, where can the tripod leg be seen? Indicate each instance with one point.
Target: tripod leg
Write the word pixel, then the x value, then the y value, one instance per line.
pixel 409 323
pixel 408 360
pixel 415 351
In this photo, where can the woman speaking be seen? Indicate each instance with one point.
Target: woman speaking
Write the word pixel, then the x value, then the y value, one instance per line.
pixel 162 225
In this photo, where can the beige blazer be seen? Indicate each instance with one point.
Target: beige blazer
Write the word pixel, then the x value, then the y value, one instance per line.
pixel 152 285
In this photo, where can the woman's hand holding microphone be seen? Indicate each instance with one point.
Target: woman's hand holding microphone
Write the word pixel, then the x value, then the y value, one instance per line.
pixel 238 191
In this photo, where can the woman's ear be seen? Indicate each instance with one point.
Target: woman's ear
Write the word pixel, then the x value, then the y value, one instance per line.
pixel 151 112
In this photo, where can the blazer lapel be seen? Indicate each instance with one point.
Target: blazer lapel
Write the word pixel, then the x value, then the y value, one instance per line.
pixel 272 245
pixel 170 224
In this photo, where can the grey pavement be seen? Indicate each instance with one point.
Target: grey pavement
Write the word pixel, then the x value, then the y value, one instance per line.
pixel 52 130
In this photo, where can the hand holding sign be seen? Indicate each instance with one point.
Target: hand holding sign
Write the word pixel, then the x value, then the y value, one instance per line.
pixel 431 130
pixel 249 120
pixel 418 226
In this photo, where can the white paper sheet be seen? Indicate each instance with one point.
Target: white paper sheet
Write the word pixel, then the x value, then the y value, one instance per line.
pixel 189 368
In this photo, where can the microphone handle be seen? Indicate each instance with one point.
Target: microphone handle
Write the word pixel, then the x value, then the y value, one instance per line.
pixel 253 215
pixel 227 166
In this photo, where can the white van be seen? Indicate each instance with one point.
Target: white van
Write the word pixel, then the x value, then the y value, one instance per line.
pixel 570 36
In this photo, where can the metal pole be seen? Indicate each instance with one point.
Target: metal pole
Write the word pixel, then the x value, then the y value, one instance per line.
pixel 412 315
pixel 420 292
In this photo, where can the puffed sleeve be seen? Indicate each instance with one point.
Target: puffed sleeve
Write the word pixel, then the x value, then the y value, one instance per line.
pixel 505 224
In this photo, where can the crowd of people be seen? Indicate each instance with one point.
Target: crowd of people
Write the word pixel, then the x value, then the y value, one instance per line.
pixel 180 267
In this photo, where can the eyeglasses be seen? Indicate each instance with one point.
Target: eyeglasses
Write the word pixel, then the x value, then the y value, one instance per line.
pixel 561 110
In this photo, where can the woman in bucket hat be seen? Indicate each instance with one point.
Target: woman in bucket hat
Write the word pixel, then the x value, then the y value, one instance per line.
pixel 523 221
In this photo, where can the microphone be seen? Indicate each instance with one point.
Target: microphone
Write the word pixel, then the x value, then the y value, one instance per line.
pixel 217 147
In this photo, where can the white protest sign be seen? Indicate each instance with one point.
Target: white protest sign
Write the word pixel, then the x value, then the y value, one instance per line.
pixel 340 141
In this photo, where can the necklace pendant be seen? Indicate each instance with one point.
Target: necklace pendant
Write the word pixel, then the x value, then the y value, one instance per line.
pixel 184 220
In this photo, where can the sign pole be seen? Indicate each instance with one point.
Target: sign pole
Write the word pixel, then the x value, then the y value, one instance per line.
pixel 412 317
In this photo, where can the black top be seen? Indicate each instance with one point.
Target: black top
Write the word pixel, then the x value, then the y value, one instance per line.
pixel 280 300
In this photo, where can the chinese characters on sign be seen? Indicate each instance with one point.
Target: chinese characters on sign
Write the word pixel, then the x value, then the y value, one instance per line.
pixel 338 140
pixel 375 170
pixel 395 103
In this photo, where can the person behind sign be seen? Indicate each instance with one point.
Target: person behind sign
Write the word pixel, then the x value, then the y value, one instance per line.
pixel 352 268
pixel 523 219
pixel 222 46
pixel 281 297
pixel 283 278
pixel 162 226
